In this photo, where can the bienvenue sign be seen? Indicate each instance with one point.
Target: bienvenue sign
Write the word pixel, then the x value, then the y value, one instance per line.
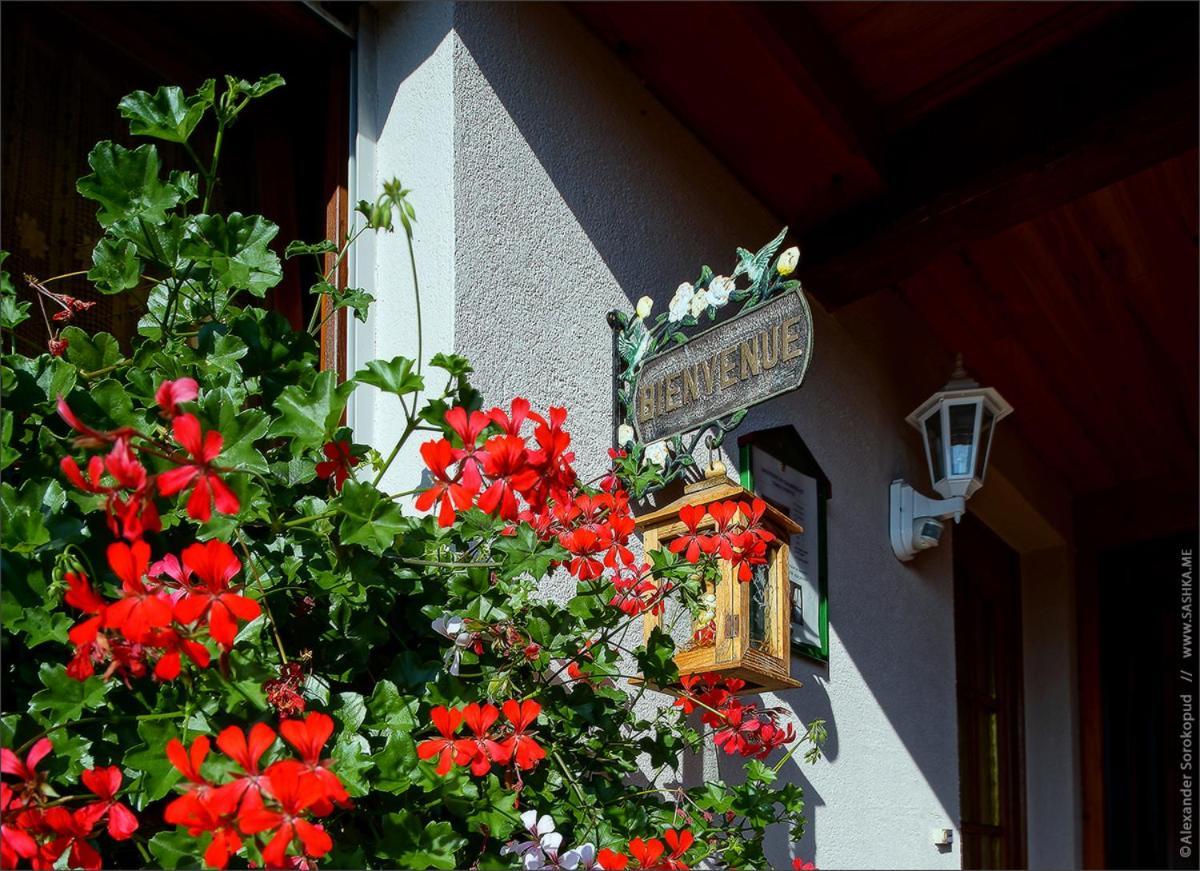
pixel 741 362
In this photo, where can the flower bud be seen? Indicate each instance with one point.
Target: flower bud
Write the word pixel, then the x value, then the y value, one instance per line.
pixel 644 306
pixel 788 260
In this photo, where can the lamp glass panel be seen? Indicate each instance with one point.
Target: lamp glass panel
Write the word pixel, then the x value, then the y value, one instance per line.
pixel 760 601
pixel 962 438
pixel 985 441
pixel 933 444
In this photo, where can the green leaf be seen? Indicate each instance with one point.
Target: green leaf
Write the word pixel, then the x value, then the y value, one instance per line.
pixel 351 760
pixel 395 376
pixel 12 310
pixel 167 114
pixel 24 514
pixel 64 698
pixel 390 712
pixel 176 849
pixel 127 184
pixel 526 554
pixel 456 364
pixel 349 297
pixel 235 250
pixel 115 265
pixel 298 248
pixel 369 517
pixel 155 773
pixel 309 416
pixel 656 659
pixel 90 353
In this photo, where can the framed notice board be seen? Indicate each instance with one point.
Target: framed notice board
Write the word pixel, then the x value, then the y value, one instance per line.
pixel 777 466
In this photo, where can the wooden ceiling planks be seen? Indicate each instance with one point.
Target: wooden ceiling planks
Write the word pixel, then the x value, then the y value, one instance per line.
pixel 1101 323
pixel 706 62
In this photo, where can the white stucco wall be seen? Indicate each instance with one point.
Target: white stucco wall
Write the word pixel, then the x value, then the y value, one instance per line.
pixel 572 191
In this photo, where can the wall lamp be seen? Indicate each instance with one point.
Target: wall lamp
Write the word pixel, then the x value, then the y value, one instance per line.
pixel 956 424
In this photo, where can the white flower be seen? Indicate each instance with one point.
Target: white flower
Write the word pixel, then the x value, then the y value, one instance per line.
pixel 719 289
pixel 788 260
pixel 681 302
pixel 699 304
pixel 657 454
pixel 644 306
pixel 452 627
pixel 586 855
pixel 541 832
pixel 448 625
pixel 624 435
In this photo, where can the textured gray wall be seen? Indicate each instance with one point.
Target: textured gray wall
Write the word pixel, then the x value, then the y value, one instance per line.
pixel 574 192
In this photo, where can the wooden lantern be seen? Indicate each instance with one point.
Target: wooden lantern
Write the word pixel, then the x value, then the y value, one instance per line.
pixel 750 637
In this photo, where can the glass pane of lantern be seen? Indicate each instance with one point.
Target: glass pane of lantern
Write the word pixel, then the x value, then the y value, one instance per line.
pixel 985 440
pixel 760 599
pixel 933 441
pixel 962 437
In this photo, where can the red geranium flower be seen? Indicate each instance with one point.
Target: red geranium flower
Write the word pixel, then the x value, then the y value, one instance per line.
pixel 693 543
pixel 174 645
pixel 520 747
pixel 447 721
pixel 171 393
pixel 520 411
pixel 468 428
pixel 105 782
pixel 295 795
pixel 246 791
pixel 507 464
pixel 610 860
pixel 481 751
pixel 15 842
pixel 140 609
pixel 73 831
pixel 33 781
pixel 678 842
pixel 338 463
pixel 186 810
pixel 646 853
pixel 213 564
pixel 308 736
pixel 438 455
pixel 207 487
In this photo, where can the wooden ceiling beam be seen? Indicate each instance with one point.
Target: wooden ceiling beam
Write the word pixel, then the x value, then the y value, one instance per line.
pixel 1116 100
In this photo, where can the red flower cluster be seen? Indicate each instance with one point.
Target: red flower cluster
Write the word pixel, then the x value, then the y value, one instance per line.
pixel 275 802
pixel 129 498
pixel 651 854
pixel 494 464
pixel 635 591
pixel 738 534
pixel 739 727
pixel 165 611
pixel 40 832
pixel 283 692
pixel 483 749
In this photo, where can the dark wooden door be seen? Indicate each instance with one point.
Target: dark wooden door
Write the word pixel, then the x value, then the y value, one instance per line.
pixel 987 618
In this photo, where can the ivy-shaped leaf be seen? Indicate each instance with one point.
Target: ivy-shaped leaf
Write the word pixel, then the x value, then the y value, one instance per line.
pixel 64 698
pixel 235 250
pixel 90 353
pixel 126 184
pixel 115 265
pixel 369 517
pixel 168 113
pixel 309 416
pixel 394 376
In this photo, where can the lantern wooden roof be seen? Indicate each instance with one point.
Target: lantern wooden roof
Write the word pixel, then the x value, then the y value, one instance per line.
pixel 716 487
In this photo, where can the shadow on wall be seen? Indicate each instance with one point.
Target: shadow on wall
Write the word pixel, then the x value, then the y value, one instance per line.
pixel 652 221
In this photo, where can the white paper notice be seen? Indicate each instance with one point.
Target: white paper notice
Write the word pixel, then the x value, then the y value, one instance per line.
pixel 796 494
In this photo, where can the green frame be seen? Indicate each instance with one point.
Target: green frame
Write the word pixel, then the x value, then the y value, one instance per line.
pixel 784 444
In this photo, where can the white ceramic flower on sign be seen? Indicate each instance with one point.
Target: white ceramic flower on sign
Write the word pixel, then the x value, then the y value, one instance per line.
pixel 644 306
pixel 788 260
pixel 699 304
pixel 681 302
pixel 719 290
pixel 657 454
pixel 624 435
